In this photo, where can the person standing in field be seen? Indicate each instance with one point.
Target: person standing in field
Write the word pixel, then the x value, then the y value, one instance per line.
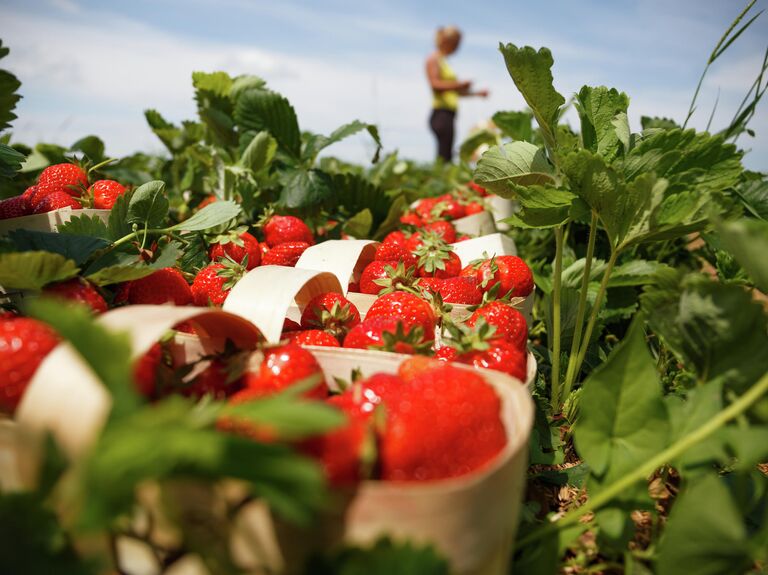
pixel 446 90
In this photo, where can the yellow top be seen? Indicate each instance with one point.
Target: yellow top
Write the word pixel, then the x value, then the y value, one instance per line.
pixel 448 100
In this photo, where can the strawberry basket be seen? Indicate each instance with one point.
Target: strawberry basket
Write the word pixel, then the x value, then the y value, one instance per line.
pixel 49 221
pixel 471 519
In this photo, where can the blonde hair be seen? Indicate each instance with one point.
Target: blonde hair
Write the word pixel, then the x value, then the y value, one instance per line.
pixel 447 33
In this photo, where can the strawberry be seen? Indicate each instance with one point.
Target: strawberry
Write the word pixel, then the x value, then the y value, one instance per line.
pixel 510 273
pixel 502 355
pixel 331 312
pixel 414 366
pixel 446 353
pixel 430 285
pixel 444 229
pixel 67 178
pixel 436 258
pixel 285 365
pixel 383 277
pixel 414 242
pixel 283 229
pixel 24 343
pixel 408 308
pixel 29 195
pixel 78 290
pixel 237 246
pixel 219 379
pixel 478 188
pixel 313 337
pixel 105 193
pixel 510 324
pixel 394 252
pixel 347 452
pixel 444 423
pixel 285 254
pixel 57 201
pixel 459 290
pixel 385 334
pixel 290 325
pixel 207 201
pixel 448 207
pixel 15 207
pixel 474 208
pixel 166 285
pixel 411 219
pixel 145 370
pixel 424 208
pixel 212 283
pixel 396 237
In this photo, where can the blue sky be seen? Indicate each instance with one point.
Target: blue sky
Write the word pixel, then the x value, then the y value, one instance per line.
pixel 93 67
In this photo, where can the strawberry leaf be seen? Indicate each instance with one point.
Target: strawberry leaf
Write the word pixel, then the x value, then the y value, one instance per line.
pixel 210 216
pixel 315 143
pixel 513 163
pixel 77 248
pixel 33 270
pixel 85 225
pixel 259 153
pixel 148 206
pixel 598 109
pixel 258 110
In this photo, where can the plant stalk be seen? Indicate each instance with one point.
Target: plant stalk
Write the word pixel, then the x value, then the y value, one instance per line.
pixel 674 451
pixel 581 311
pixel 555 391
pixel 595 311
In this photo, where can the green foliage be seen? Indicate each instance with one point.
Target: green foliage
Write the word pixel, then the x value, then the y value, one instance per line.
pixel 384 557
pixel 599 108
pixel 518 163
pixel 148 206
pixel 315 143
pixel 34 269
pixel 474 141
pixel 265 110
pixel 75 247
pixel 747 240
pixel 9 84
pixel 515 125
pixel 210 216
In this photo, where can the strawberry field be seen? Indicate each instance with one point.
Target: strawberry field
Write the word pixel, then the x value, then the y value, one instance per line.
pixel 245 355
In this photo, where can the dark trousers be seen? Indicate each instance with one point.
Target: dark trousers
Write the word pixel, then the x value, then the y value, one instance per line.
pixel 442 124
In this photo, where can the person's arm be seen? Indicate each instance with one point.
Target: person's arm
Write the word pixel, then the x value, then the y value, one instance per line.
pixel 440 85
pixel 479 93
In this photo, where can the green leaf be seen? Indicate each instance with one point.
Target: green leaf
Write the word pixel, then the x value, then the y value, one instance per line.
pixel 85 225
pixel 747 240
pixel 515 125
pixel 34 269
pixel 91 146
pixel 219 83
pixel 210 216
pixel 259 110
pixel 635 273
pixel 303 188
pixel 518 163
pixel 33 541
pixel 623 420
pixel 382 558
pixel 148 205
pixel 705 533
pixel 128 453
pixel 171 136
pixel 117 224
pixel 102 272
pixel 76 248
pixel 107 353
pixel 392 220
pixel 8 96
pixel 648 123
pixel 531 72
pixel 754 196
pixel 353 193
pixel 541 206
pixel 474 141
pixel 289 418
pixel 10 161
pixel 598 109
pixel 359 225
pixel 259 153
pixel 316 143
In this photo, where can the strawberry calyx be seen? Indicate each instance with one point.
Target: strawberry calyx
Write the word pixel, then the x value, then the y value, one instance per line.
pixel 401 341
pixel 464 338
pixel 334 321
pixel 232 272
pixel 398 278
pixel 433 253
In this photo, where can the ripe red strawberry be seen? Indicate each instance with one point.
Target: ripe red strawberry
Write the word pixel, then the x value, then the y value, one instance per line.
pixel 212 283
pixel 163 286
pixel 283 366
pixel 331 312
pixel 478 188
pixel 285 254
pixel 290 325
pixel 78 290
pixel 411 219
pixel 395 252
pixel 15 207
pixel 510 273
pixel 414 242
pixel 313 337
pixel 407 307
pixel 29 195
pixel 448 207
pixel 237 247
pixel 57 201
pixel 474 208
pixel 444 229
pixel 502 356
pixel 437 259
pixel 145 370
pixel 430 285
pixel 395 237
pixel 385 334
pixel 283 229
pixel 67 178
pixel 347 452
pixel 220 379
pixel 105 193
pixel 464 291
pixel 378 277
pixel 411 368
pixel 510 324
pixel 446 353
pixel 445 423
pixel 424 209
pixel 207 202
pixel 24 343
